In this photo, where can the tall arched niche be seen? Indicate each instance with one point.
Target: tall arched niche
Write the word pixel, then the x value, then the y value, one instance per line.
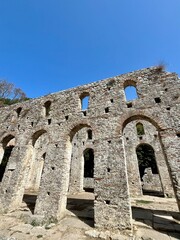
pixel 6 148
pixel 160 183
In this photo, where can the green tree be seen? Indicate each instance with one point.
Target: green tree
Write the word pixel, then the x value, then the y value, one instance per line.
pixel 9 94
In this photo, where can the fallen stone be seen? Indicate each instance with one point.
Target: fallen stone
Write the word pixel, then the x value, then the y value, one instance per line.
pixel 92 233
pixel 24 228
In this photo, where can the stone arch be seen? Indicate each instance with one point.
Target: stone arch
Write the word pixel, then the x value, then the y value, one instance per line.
pixel 139 115
pixel 67 137
pixel 7 139
pixel 75 126
pixel 131 143
pixel 78 142
pixel 76 182
pixel 7 145
pixel 71 130
pixel 148 170
pixel 36 135
pixel 31 136
pixel 37 158
pixel 146 158
pixel 36 155
pixel 76 129
pixel 129 82
pixel 69 133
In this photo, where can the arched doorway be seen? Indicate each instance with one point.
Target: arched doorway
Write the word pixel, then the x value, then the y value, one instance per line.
pixel 80 199
pixel 36 161
pixel 149 175
pixel 82 161
pixel 88 155
pixel 138 132
pixel 8 144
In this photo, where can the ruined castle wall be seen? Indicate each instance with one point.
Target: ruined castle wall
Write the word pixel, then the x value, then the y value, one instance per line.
pixel 45 130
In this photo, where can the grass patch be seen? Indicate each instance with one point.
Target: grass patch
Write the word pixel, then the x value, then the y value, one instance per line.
pixel 143 201
pixel 39 236
pixel 34 223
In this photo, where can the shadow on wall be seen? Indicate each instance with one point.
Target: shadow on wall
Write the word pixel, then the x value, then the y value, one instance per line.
pixel 159 220
pixel 8 144
pixel 83 209
pixel 30 201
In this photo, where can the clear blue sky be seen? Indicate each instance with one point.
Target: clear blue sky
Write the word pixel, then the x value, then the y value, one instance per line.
pixel 51 45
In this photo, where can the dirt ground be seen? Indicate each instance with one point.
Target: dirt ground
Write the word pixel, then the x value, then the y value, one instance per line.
pixel 154 218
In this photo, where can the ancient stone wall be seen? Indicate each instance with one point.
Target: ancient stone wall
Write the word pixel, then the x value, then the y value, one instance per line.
pixel 51 138
pixel 132 141
pixel 151 182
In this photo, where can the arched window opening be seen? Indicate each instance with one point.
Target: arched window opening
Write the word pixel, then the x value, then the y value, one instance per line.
pixel 47 106
pixel 18 110
pixel 89 133
pixel 178 135
pixel 140 129
pixel 44 156
pixel 130 90
pixel 84 101
pixel 146 159
pixel 88 163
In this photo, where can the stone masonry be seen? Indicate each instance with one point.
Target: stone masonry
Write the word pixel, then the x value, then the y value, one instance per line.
pixel 51 141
